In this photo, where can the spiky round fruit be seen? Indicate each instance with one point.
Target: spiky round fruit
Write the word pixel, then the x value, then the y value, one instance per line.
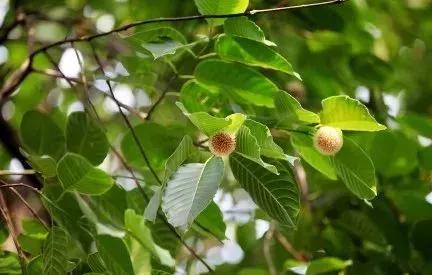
pixel 222 144
pixel 328 140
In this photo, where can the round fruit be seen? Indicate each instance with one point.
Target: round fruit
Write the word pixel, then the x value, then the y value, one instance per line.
pixel 328 140
pixel 222 144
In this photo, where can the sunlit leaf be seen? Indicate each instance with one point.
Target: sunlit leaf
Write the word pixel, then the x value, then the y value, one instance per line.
pixel 348 114
pixel 277 195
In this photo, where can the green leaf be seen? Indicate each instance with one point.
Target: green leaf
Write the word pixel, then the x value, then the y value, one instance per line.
pixel 252 53
pixel 135 226
pixel 348 114
pixel 155 33
pixel 158 142
pixel 290 111
pixel 196 97
pixel 326 264
pixel 303 144
pixel 247 145
pixel 77 174
pixel 162 48
pixel 9 263
pixel 46 165
pixel 421 125
pixel 190 190
pixel 220 7
pixel 180 155
pixel 35 266
pixel 206 123
pixel 360 225
pixel 95 262
pixel 211 219
pixel 236 81
pixel 54 252
pixel 41 135
pixel 115 255
pixel 356 170
pixel 34 228
pixel 85 137
pixel 393 154
pixel 243 27
pixel 277 195
pixel 268 148
pixel 152 207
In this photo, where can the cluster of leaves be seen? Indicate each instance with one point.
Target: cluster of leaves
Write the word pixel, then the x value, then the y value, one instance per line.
pixel 342 220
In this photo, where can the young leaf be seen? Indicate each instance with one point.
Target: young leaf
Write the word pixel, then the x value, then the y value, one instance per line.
pixel 247 145
pixel 236 81
pixel 35 266
pixel 206 123
pixel 356 170
pixel 290 111
pixel 220 7
pixel 277 195
pixel 115 255
pixel 190 190
pixel 348 114
pixel 303 144
pixel 41 135
pixel 76 173
pixel 268 147
pixel 151 210
pixel 54 252
pixel 85 137
pixel 135 226
pixel 252 53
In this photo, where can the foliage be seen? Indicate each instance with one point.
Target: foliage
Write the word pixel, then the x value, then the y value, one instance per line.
pixel 114 132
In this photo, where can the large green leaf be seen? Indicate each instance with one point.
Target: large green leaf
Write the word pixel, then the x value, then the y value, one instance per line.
pixel 236 81
pixel 135 226
pixel 221 7
pixel 290 111
pixel 54 252
pixel 356 170
pixel 180 155
pixel 325 265
pixel 85 137
pixel 303 144
pixel 77 174
pixel 95 262
pixel 252 53
pixel 41 135
pixel 115 255
pixel 190 190
pixel 277 195
pixel 346 113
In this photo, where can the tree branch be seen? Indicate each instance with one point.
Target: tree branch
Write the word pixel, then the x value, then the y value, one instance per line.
pixel 25 68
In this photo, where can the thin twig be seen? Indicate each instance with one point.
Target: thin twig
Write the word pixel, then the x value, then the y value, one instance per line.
pixel 15 173
pixel 30 208
pixel 289 247
pixel 16 78
pixel 266 249
pixel 5 213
